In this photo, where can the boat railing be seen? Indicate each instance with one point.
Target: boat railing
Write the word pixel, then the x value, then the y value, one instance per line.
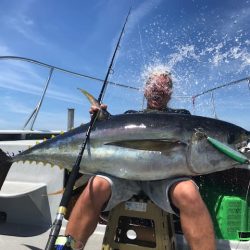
pixel 52 69
pixel 33 116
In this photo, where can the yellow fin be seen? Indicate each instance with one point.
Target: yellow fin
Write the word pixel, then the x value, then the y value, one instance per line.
pixel 102 114
pixel 91 98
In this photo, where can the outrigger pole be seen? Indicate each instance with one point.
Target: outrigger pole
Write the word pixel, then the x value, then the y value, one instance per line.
pixel 61 212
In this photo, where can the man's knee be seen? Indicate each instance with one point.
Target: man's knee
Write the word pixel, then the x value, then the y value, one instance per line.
pixel 99 186
pixel 97 191
pixel 186 194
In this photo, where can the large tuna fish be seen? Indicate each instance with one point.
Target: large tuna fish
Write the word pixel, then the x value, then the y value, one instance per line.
pixel 142 146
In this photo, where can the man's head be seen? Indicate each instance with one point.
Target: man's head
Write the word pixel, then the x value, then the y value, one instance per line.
pixel 158 90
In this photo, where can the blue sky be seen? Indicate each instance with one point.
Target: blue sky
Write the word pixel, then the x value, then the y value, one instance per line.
pixel 203 43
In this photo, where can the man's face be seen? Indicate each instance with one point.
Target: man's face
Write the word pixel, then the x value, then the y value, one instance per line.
pixel 158 91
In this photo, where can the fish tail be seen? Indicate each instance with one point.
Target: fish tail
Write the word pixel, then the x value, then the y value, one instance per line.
pixel 5 164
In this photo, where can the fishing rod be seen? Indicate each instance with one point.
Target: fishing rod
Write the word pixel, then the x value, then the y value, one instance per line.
pixel 55 229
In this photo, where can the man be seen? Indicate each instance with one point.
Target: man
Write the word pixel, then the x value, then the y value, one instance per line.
pixel 176 195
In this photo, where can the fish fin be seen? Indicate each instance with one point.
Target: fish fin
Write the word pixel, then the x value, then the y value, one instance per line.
pixel 5 164
pixel 148 144
pixel 91 98
pixel 103 114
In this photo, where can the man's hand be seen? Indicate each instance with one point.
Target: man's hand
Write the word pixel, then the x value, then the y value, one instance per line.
pixel 102 109
pixel 95 108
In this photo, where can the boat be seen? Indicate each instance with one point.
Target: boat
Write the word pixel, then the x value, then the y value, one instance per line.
pixel 27 210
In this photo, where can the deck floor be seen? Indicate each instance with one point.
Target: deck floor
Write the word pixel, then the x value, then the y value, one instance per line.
pixel 31 238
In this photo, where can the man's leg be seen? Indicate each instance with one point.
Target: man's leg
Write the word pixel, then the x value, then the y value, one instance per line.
pixel 195 219
pixel 85 215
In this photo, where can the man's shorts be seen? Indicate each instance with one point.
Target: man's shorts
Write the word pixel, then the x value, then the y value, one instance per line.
pixel 157 191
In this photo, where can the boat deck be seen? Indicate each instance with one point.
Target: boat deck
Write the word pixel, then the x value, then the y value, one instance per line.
pixel 25 239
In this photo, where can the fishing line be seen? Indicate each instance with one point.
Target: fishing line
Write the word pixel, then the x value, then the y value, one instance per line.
pixel 143 58
pixel 141 47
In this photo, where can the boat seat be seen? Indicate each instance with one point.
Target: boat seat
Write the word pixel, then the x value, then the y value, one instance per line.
pixel 15 188
pixel 139 224
pixel 24 203
pixel 24 196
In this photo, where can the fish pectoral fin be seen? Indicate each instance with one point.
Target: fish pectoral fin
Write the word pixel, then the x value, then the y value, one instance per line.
pixel 148 144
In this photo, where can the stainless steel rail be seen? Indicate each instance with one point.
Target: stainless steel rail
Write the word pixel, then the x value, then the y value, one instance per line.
pixel 52 69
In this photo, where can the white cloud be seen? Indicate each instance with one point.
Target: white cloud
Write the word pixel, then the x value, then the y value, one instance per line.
pixel 25 26
pixel 4 50
pixel 140 12
pixel 14 106
pixel 19 20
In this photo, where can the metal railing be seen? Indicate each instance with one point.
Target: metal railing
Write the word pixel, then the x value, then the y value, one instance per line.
pixel 32 118
pixel 52 69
